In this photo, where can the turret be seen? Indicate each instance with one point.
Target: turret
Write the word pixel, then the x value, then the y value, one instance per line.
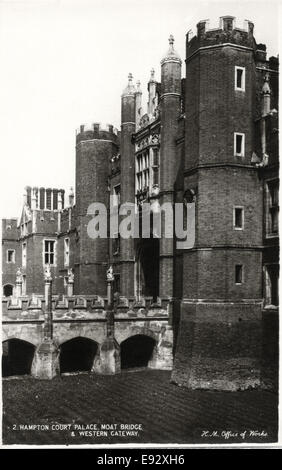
pixel 128 103
pixel 95 146
pixel 152 94
pixel 170 112
pixel 171 70
pixel 222 269
pixel 227 32
pixel 220 73
pixel 128 126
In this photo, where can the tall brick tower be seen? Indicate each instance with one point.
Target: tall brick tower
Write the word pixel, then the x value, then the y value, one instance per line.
pixel 94 148
pixel 220 332
pixel 128 116
pixel 170 112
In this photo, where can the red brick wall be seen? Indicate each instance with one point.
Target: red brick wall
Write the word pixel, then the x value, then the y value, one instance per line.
pixel 219 190
pixel 214 109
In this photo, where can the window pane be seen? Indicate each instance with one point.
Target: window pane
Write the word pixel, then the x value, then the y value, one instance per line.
pixel 238 143
pixel 11 257
pixel 238 217
pixel 238 273
pixel 239 78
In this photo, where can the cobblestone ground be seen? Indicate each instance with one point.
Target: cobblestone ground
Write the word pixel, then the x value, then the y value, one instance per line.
pixel 167 413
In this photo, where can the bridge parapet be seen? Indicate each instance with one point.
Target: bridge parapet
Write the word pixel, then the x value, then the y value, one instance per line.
pixel 48 322
pixel 79 307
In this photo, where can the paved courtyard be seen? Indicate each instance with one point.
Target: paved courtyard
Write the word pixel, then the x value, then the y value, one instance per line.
pixel 133 407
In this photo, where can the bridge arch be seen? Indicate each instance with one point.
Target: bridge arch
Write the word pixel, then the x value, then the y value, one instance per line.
pixel 63 332
pixel 77 354
pixel 17 357
pixel 137 350
pixel 132 329
pixel 17 332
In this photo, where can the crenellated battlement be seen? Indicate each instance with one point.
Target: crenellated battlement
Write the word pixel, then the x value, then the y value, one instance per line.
pixel 228 31
pixel 96 130
pixel 226 23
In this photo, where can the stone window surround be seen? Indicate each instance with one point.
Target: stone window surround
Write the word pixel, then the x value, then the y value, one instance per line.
pixel 13 260
pixel 55 251
pixel 243 78
pixel 234 218
pixel 242 153
pixel 241 274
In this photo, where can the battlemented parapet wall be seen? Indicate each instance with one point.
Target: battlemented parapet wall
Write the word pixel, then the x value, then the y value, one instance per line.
pixel 227 32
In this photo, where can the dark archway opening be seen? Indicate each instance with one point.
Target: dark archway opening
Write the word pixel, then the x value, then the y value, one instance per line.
pixel 136 351
pixel 17 357
pixel 274 283
pixel 148 267
pixel 8 290
pixel 77 354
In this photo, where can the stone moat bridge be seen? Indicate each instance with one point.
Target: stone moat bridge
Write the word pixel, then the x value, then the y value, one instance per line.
pixel 45 335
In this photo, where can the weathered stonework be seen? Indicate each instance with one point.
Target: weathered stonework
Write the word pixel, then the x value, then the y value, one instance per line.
pixel 90 323
pixel 46 361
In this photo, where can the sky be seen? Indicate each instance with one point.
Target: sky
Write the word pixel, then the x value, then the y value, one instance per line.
pixel 66 62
